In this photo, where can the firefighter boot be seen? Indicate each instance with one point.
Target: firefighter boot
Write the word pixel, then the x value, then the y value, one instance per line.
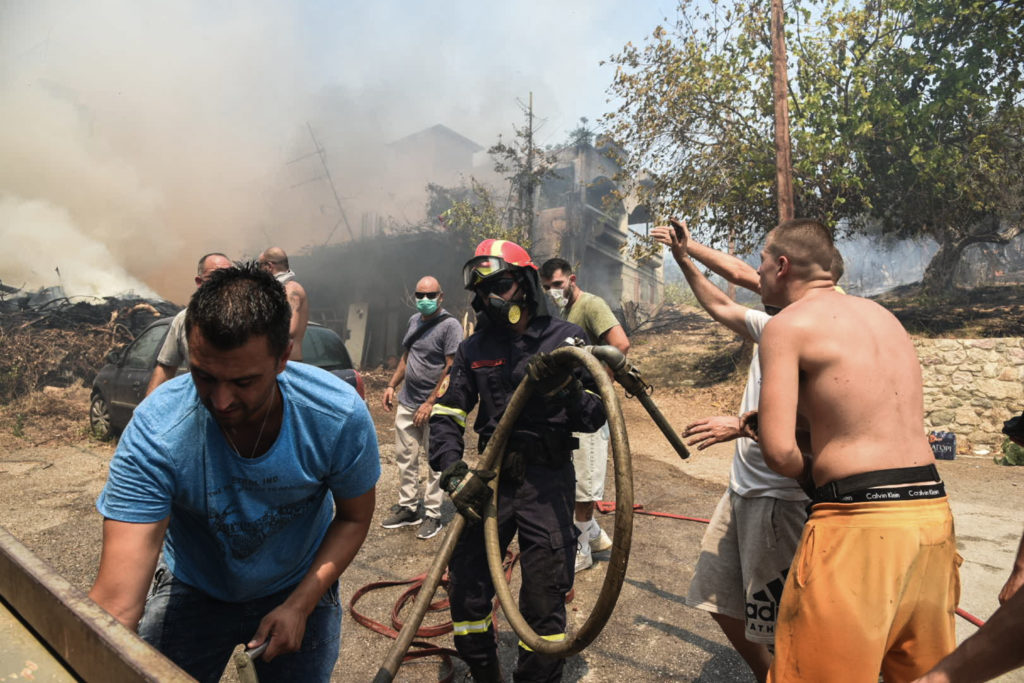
pixel 486 673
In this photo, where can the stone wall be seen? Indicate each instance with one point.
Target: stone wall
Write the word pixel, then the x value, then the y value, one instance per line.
pixel 971 386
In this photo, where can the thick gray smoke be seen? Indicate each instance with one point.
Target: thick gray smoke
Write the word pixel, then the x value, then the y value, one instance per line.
pixel 138 135
pixel 132 139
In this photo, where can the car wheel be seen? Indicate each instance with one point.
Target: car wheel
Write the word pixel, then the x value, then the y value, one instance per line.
pixel 99 418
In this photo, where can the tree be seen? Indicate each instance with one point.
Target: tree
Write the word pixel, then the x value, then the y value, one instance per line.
pixel 471 215
pixel 525 166
pixel 474 213
pixel 906 112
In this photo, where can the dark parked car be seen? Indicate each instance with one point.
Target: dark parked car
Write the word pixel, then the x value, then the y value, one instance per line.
pixel 121 383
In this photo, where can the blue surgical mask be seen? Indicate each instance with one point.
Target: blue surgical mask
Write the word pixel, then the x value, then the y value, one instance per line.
pixel 426 306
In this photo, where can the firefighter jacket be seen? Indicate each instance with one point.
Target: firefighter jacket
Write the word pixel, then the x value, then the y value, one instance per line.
pixel 489 366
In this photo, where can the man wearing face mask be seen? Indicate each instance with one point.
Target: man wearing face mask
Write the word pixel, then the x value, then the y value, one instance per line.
pixel 590 460
pixel 430 342
pixel 514 337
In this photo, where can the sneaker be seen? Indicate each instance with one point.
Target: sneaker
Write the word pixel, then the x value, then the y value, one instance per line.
pixel 401 517
pixel 431 527
pixel 599 540
pixel 584 560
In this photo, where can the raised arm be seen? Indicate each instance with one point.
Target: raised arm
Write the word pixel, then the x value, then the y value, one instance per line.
pixel 127 562
pixel 715 301
pixel 734 270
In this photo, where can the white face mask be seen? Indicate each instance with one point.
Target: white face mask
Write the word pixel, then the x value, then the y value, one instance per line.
pixel 558 296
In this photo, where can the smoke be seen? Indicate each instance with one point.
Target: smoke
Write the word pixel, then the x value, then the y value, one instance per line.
pixel 89 270
pixel 134 136
pixel 139 135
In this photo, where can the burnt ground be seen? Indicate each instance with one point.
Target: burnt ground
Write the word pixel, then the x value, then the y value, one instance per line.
pixel 996 311
pixel 51 472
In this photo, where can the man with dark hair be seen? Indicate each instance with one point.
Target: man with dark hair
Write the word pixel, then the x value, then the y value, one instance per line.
pixel 535 493
pixel 255 478
pixel 174 351
pixel 874 584
pixel 276 261
pixel 590 460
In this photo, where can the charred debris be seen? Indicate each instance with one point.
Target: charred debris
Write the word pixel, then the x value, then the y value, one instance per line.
pixel 48 338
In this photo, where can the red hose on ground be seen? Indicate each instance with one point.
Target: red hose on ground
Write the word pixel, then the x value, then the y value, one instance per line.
pixel 426 649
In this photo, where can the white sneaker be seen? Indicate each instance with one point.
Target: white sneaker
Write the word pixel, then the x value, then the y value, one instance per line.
pixel 599 540
pixel 584 560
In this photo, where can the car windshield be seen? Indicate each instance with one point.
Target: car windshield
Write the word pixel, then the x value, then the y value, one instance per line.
pixel 323 348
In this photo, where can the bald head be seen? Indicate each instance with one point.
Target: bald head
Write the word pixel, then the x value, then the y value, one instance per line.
pixel 428 284
pixel 210 263
pixel 275 259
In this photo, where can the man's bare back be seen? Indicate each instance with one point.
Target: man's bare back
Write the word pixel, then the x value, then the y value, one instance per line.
pixel 858 387
pixel 300 316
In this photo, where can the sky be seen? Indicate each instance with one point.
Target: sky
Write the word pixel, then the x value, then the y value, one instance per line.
pixel 139 135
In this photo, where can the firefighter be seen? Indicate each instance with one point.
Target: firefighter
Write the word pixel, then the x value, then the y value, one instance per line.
pixel 537 485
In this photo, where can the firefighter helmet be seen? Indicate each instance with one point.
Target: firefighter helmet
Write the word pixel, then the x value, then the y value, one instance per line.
pixel 493 257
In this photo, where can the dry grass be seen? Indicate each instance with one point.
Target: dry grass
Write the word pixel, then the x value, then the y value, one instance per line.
pixel 52 415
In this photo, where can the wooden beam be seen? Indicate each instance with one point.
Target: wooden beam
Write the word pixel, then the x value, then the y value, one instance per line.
pixel 92 644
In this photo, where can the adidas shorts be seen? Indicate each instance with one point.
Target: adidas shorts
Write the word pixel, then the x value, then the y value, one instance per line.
pixel 744 559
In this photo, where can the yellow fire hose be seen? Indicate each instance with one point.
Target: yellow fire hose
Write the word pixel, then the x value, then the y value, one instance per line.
pixel 630 378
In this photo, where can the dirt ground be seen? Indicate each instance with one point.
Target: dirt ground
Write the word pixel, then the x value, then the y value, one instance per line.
pixel 48 487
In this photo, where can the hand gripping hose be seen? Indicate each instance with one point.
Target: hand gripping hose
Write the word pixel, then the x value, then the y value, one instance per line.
pixel 491 460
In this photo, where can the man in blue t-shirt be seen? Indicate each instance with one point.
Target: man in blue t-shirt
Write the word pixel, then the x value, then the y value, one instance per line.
pixel 255 478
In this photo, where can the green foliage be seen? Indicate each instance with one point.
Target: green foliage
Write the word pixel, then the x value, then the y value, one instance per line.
pixel 19 426
pixel 1012 454
pixel 470 215
pixel 474 213
pixel 907 113
pixel 679 293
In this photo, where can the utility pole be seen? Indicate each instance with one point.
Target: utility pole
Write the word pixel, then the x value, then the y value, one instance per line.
pixel 780 93
pixel 527 189
pixel 322 154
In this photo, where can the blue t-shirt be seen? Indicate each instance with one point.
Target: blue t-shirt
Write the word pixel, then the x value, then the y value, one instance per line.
pixel 242 528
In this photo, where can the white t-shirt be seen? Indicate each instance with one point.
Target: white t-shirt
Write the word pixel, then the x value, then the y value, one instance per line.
pixel 750 476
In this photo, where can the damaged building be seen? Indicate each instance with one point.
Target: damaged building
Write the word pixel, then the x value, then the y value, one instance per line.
pixel 363 289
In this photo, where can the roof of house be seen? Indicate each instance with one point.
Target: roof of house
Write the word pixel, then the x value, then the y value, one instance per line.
pixel 436 131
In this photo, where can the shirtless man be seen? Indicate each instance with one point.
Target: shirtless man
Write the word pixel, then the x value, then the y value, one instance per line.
pixel 276 261
pixel 874 584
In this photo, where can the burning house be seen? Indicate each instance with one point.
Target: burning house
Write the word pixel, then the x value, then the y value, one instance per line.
pixel 363 288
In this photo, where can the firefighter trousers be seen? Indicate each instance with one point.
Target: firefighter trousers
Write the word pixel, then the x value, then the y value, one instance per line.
pixel 539 509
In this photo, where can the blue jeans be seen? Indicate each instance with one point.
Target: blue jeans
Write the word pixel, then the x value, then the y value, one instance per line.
pixel 198 633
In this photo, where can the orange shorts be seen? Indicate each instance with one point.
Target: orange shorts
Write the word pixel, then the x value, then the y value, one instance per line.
pixel 873 588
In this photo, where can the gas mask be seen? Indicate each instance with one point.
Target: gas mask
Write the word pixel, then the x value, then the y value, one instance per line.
pixel 506 312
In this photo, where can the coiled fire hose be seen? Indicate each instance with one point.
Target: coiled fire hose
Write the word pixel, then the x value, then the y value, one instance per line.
pixel 631 380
